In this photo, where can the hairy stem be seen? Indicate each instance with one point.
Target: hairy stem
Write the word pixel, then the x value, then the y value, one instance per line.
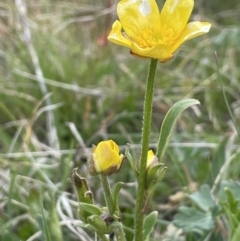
pixel 109 201
pixel 147 119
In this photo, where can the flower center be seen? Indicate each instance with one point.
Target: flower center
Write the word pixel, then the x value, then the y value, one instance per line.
pixel 154 35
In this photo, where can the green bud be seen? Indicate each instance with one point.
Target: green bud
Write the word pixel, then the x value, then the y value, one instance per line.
pixel 155 174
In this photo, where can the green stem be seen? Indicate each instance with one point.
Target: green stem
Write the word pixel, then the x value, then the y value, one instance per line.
pixel 109 201
pixel 147 119
pixel 107 193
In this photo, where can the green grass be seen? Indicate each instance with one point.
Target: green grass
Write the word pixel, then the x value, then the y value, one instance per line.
pixel 99 87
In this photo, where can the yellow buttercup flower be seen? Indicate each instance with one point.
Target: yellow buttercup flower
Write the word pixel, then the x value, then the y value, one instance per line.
pixel 154 34
pixel 151 159
pixel 105 158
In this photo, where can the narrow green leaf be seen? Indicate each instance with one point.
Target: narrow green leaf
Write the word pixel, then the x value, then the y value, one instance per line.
pixel 54 225
pixel 231 200
pixel 84 225
pixel 236 234
pixel 234 186
pixel 10 195
pixel 230 207
pixel 45 225
pixel 116 191
pixel 130 159
pixel 6 236
pixel 80 184
pixel 148 224
pixel 169 122
pixel 90 208
pixel 225 97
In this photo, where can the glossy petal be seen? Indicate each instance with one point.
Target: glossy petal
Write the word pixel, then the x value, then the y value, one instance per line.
pixel 105 158
pixel 113 146
pixel 151 34
pixel 117 37
pixel 192 30
pixel 175 15
pixel 106 155
pixel 137 15
pixel 160 51
pixel 150 156
pixel 151 159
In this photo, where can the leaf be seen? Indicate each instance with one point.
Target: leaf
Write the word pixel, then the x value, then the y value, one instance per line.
pixel 84 225
pixel 83 192
pixel 130 159
pixel 91 208
pixel 203 198
pixel 236 234
pixel 218 159
pixel 234 186
pixel 169 122
pixel 232 201
pixel 116 191
pixel 231 210
pixel 81 187
pixel 6 236
pixel 192 220
pixel 45 225
pixel 99 225
pixel 148 224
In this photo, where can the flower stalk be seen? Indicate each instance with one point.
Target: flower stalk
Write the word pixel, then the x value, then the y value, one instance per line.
pixel 109 201
pixel 107 193
pixel 147 120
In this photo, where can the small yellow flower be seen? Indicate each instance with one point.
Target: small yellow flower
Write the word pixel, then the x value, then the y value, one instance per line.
pixel 149 33
pixel 152 160
pixel 105 158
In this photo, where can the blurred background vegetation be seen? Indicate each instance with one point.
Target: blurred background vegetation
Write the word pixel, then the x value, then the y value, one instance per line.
pixel 64 87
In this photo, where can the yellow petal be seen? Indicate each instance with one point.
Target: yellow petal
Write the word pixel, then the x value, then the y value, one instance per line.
pixel 116 36
pixel 121 158
pixel 159 51
pixel 150 154
pixel 192 30
pixel 175 15
pixel 151 159
pixel 137 15
pixel 105 157
pixel 195 29
pixel 114 146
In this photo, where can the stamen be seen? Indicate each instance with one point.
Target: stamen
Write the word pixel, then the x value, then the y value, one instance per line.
pixel 149 37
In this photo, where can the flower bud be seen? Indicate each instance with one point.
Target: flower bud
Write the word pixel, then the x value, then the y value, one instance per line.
pixel 152 160
pixel 155 170
pixel 105 158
